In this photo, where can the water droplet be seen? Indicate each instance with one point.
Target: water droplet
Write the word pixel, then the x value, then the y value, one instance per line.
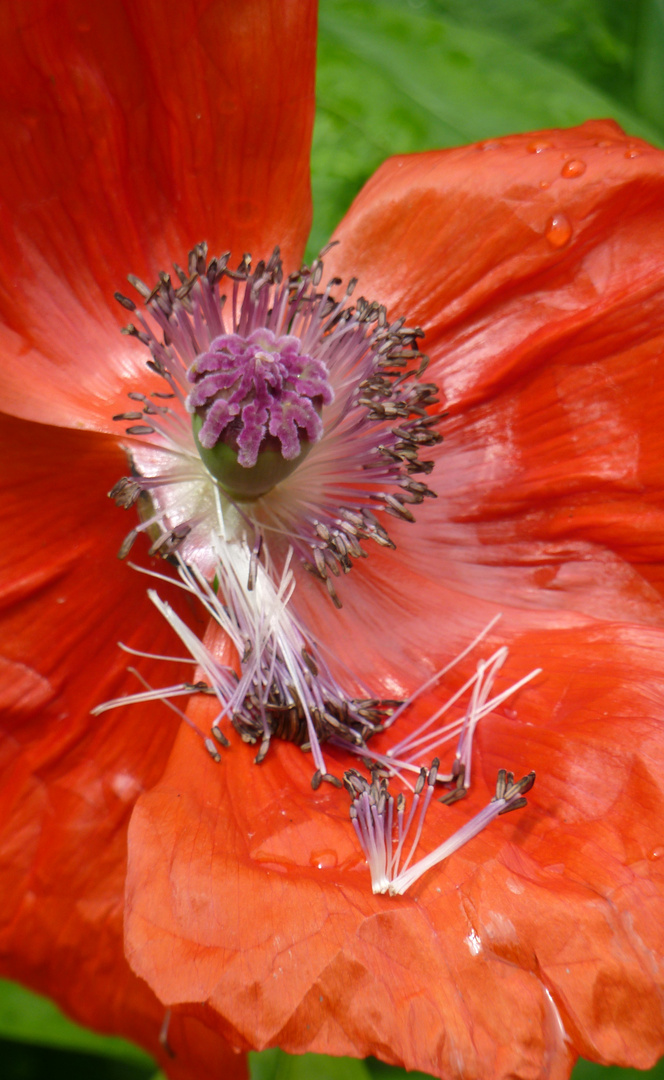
pixel 632 153
pixel 605 142
pixel 490 144
pixel 325 859
pixel 538 147
pixel 558 230
pixel 656 853
pixel 544 184
pixel 573 168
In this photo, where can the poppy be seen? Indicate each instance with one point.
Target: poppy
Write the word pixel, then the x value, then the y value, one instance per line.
pixel 540 287
pixel 533 264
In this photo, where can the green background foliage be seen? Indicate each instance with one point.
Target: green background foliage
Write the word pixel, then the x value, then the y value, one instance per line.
pixel 399 76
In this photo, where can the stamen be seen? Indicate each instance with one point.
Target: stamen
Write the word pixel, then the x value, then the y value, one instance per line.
pixel 285 368
pixel 293 426
pixel 284 687
pixel 163 1035
pixel 406 755
pixel 372 816
pixel 164 695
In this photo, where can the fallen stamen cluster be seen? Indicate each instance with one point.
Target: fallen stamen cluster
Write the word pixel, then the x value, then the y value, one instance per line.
pixel 382 827
pixel 406 755
pixel 283 688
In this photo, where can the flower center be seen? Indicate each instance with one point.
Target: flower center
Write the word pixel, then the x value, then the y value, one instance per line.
pixel 308 422
pixel 291 421
pixel 256 407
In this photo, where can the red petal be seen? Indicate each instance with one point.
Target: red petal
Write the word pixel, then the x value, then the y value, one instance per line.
pixel 549 358
pixel 201 132
pixel 248 891
pixel 69 781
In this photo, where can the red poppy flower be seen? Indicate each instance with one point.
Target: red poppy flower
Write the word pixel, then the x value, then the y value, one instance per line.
pixel 534 264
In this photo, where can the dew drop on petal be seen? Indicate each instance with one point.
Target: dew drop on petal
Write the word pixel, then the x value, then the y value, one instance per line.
pixel 632 153
pixel 558 230
pixel 656 853
pixel 324 859
pixel 544 184
pixel 490 144
pixel 572 169
pixel 474 942
pixel 538 147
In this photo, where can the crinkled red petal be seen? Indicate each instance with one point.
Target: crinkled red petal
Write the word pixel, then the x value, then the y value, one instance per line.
pixel 534 265
pixel 68 781
pixel 540 939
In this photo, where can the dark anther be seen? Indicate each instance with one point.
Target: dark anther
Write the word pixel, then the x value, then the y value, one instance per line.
pixel 131 331
pixel 421 781
pixel 516 805
pixel 163 1035
pixel 501 783
pixel 330 779
pixel 264 747
pixel 125 493
pixel 125 301
pixel 512 792
pixel 310 662
pixel 139 285
pixel 453 796
pixel 127 544
pixel 521 786
pixel 169 542
pixel 459 791
pixel 212 750
pixel 140 429
pixel 219 736
pixel 316 780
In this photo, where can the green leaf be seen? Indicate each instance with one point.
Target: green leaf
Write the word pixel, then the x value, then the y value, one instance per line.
pixel 380 1071
pixel 593 38
pixel 649 61
pixel 30 1018
pixel 586 1070
pixel 276 1065
pixel 392 81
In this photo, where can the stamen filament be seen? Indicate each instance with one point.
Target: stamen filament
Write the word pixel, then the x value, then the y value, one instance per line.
pixel 376 833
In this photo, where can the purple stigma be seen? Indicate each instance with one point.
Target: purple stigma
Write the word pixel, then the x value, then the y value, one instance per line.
pixel 257 387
